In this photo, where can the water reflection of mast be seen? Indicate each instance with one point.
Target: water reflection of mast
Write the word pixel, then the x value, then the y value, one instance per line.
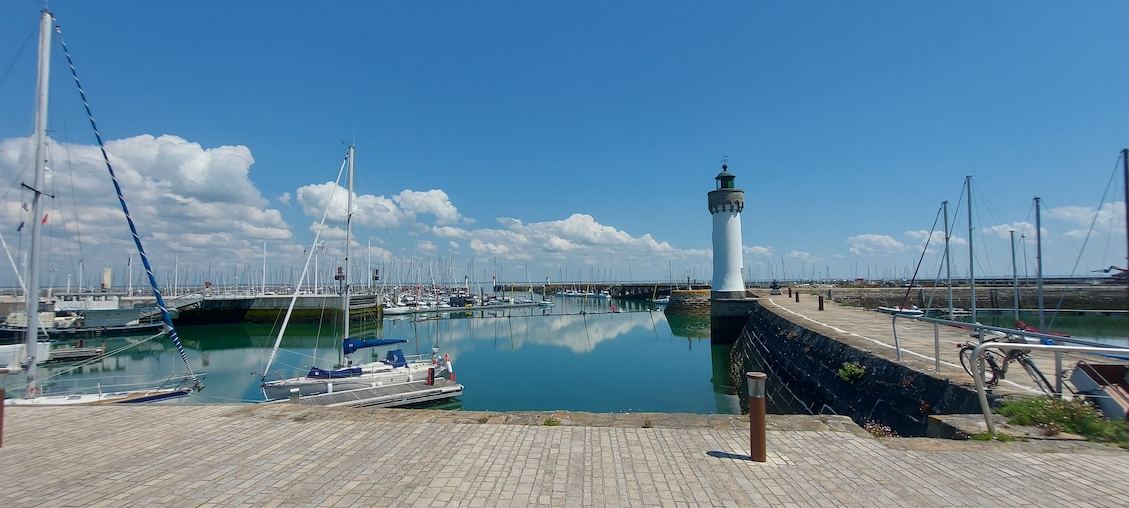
pixel 510 324
pixel 587 336
pixel 654 327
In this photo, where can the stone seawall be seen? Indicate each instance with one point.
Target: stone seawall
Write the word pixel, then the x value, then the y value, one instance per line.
pixel 689 302
pixel 806 365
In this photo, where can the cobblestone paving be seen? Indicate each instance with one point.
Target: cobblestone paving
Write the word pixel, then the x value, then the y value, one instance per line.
pixel 281 455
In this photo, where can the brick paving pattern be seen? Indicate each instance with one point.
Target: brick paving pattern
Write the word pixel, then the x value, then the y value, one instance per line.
pixel 282 455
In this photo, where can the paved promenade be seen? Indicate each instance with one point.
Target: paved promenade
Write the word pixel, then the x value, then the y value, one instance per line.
pixel 285 455
pixel 872 331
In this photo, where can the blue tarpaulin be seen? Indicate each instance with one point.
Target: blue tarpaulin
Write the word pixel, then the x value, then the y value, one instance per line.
pixel 317 373
pixel 396 358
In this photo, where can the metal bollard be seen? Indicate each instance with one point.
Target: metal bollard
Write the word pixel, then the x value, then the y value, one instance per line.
pixel 797 296
pixel 820 302
pixel 1 417
pixel 789 292
pixel 757 450
pixel 294 395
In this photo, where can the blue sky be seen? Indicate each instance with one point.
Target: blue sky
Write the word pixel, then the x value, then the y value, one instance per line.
pixel 576 140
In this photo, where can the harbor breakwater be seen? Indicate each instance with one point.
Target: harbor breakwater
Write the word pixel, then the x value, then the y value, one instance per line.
pixel 813 373
pixel 1105 297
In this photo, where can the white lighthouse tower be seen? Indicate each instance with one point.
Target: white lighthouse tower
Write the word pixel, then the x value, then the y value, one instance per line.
pixel 726 203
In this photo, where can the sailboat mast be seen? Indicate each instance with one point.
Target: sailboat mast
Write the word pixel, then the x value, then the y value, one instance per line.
pixel 948 270
pixel 971 259
pixel 1125 177
pixel 1014 276
pixel 32 293
pixel 1039 262
pixel 348 241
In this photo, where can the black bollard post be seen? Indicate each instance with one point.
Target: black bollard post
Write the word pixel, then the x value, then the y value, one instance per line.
pixel 789 292
pixel 757 450
pixel 820 302
pixel 797 295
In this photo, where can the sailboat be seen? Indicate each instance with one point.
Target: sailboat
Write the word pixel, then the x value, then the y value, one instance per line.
pixel 174 388
pixel 396 367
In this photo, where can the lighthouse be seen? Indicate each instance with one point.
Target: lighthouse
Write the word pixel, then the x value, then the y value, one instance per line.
pixel 726 203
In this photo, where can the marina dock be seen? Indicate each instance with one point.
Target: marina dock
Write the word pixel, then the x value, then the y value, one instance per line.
pixel 292 455
pixel 392 395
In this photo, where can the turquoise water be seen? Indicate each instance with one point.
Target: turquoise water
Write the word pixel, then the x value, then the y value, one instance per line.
pixel 526 359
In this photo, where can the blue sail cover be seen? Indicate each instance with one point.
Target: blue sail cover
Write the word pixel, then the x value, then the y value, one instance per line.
pixel 350 345
pixel 396 358
pixel 316 373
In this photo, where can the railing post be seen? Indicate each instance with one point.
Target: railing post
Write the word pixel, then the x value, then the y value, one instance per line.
pixel 897 344
pixel 981 391
pixel 936 348
pixel 757 450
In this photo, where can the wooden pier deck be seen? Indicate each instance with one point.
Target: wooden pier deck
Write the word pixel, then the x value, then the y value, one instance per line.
pixel 393 395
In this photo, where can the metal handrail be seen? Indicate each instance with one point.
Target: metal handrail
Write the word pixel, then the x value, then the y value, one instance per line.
pixel 978 331
pixel 981 391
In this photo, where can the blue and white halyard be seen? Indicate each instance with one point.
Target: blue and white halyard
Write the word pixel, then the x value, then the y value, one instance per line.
pixel 726 203
pixel 169 328
pixel 32 395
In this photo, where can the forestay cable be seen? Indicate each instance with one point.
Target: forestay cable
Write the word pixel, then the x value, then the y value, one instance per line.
pixel 197 384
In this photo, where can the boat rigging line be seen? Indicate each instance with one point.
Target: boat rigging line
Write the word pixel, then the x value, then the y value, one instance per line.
pixel 936 218
pixel 165 316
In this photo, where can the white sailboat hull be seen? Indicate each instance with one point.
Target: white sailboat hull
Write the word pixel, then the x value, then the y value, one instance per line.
pixel 373 374
pixel 162 396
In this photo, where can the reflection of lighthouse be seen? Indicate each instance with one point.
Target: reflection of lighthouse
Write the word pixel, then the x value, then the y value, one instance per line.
pixel 726 203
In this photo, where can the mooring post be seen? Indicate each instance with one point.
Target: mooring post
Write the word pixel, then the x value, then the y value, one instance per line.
pixel 294 395
pixel 757 451
pixel 797 295
pixel 820 302
pixel 789 292
pixel 1 417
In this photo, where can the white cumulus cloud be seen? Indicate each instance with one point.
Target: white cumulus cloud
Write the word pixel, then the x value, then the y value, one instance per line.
pixel 874 244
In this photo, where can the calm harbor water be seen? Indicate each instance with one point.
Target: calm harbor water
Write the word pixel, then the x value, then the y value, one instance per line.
pixel 522 359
